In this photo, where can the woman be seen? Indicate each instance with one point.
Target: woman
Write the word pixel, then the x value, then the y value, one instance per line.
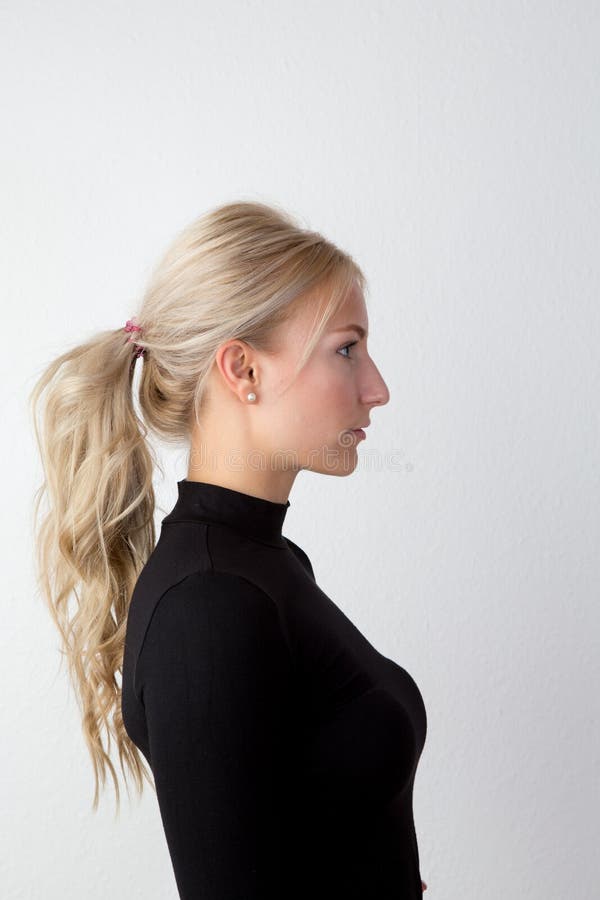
pixel 283 746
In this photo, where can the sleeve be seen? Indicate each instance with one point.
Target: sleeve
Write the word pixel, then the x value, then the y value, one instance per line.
pixel 215 676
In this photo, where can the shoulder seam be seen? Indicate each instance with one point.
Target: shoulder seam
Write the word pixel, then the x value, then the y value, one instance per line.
pixel 147 629
pixel 213 573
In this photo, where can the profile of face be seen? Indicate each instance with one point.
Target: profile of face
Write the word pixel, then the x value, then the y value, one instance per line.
pixel 302 421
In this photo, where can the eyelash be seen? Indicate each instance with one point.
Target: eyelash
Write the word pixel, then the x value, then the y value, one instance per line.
pixel 347 347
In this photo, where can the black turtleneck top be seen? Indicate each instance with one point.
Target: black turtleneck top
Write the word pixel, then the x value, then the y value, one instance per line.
pixel 283 745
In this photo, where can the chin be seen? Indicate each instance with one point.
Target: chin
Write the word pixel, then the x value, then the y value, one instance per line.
pixel 337 461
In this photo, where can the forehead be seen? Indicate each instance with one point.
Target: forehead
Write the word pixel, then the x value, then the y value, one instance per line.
pixel 353 311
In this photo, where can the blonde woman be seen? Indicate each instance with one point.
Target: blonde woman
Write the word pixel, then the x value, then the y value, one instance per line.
pixel 281 744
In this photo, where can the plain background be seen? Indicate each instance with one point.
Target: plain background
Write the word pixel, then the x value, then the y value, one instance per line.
pixel 453 148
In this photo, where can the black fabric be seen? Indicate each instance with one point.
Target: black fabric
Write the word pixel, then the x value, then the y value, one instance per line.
pixel 283 745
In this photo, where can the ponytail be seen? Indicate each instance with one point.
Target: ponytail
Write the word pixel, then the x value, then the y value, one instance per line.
pixel 97 529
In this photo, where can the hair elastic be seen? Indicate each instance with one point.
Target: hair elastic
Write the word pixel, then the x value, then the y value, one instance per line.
pixel 131 326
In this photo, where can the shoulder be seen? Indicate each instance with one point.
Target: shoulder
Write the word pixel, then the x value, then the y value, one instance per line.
pixel 222 591
pixel 216 598
pixel 212 613
pixel 302 556
pixel 214 676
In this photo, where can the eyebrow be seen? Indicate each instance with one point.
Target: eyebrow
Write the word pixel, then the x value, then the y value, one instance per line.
pixel 358 328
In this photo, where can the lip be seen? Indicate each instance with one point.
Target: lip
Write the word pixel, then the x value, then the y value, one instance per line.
pixel 359 432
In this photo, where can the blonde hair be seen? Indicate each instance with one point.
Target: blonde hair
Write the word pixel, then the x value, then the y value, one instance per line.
pixel 236 272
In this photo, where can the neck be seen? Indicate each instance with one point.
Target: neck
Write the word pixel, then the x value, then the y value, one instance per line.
pixel 273 485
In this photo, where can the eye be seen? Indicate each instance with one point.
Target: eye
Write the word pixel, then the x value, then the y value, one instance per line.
pixel 347 347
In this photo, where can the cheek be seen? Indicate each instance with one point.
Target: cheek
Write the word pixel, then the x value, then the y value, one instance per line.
pixel 329 377
pixel 314 406
pixel 322 399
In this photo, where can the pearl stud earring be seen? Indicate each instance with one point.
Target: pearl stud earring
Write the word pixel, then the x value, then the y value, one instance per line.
pixel 251 396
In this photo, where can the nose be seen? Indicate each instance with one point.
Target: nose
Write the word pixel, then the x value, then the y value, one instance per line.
pixel 377 393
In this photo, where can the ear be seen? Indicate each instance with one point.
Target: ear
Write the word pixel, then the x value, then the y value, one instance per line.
pixel 237 363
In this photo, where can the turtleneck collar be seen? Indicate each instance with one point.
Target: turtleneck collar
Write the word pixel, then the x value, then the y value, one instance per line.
pixel 254 517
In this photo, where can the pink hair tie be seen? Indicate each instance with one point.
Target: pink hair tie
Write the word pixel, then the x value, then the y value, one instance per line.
pixel 131 326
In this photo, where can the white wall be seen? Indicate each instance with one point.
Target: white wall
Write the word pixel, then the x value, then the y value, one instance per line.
pixel 452 147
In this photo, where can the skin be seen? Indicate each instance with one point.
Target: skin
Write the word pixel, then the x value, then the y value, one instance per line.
pixel 259 447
